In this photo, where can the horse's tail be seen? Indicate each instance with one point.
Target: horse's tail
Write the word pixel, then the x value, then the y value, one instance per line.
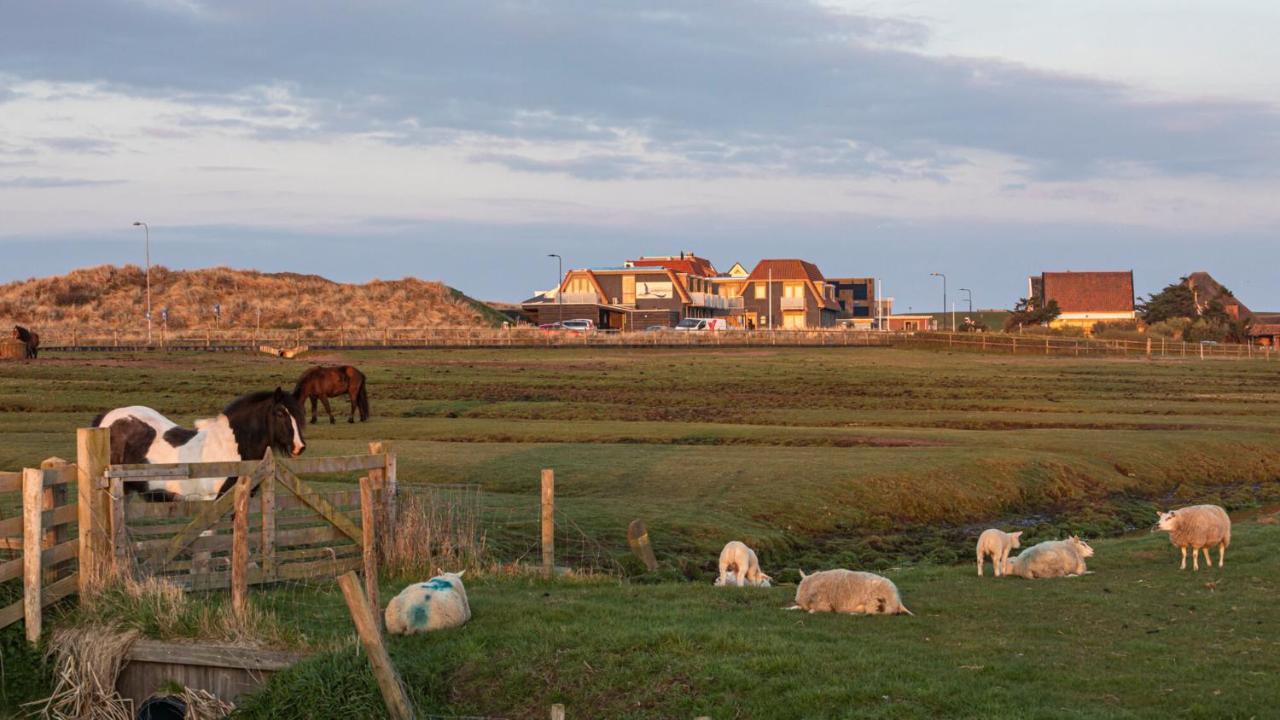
pixel 362 396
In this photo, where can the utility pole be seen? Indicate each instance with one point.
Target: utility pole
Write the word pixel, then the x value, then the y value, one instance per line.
pixel 559 281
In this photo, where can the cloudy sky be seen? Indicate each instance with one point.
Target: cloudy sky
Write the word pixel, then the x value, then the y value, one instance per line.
pixel 463 141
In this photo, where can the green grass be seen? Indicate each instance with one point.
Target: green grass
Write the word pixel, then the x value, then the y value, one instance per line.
pixel 866 458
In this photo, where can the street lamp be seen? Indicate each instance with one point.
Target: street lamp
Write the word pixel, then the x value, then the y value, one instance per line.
pixel 147 230
pixel 944 298
pixel 967 290
pixel 559 280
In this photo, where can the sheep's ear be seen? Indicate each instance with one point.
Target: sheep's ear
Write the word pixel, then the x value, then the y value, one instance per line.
pixel 461 573
pixel 802 574
pixel 1017 534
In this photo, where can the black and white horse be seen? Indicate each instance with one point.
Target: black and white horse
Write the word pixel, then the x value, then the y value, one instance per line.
pixel 245 429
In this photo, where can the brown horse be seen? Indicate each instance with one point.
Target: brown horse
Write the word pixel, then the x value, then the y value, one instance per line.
pixel 325 381
pixel 28 338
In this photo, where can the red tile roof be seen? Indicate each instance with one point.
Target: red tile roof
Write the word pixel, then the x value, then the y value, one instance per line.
pixel 1090 291
pixel 689 264
pixel 1205 290
pixel 786 270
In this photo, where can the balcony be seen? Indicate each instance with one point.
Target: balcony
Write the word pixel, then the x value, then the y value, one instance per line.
pixel 715 302
pixel 792 303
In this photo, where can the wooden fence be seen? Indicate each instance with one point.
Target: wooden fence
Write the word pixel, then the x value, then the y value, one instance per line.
pixel 1029 344
pixel 272 535
pixel 38 547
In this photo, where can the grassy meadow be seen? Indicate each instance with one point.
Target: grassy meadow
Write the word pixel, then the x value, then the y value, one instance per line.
pixel 868 458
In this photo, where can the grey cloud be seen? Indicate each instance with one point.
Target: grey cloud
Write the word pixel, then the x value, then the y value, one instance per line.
pixel 78 145
pixel 52 182
pixel 729 85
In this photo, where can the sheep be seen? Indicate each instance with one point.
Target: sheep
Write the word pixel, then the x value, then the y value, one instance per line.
pixel 1199 527
pixel 848 591
pixel 739 566
pixel 997 544
pixel 1053 558
pixel 438 603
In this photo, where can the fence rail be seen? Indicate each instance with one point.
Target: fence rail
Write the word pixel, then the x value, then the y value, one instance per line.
pixel 1151 347
pixel 38 545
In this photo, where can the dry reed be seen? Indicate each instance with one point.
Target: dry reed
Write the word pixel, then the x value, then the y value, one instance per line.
pixel 87 661
pixel 437 528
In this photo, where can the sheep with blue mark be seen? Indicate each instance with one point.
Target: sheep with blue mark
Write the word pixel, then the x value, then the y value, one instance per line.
pixel 436 604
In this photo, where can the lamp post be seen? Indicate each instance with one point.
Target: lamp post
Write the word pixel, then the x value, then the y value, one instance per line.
pixel 944 297
pixel 147 230
pixel 967 290
pixel 559 280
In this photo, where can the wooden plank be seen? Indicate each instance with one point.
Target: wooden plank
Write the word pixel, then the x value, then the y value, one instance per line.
pixel 326 568
pixel 11 569
pixel 10 482
pixel 208 516
pixel 55 495
pixel 393 692
pixel 33 534
pixel 178 471
pixel 93 455
pixel 119 533
pixel 59 475
pixel 240 549
pixel 138 509
pixel 267 539
pixel 63 515
pixel 59 553
pixel 370 550
pixel 65 587
pixel 11 614
pixel 318 503
pixel 155 651
pixel 340 463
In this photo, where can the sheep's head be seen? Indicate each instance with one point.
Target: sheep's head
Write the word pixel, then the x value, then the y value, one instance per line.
pixel 764 581
pixel 729 578
pixel 1168 521
pixel 1082 546
pixel 1017 539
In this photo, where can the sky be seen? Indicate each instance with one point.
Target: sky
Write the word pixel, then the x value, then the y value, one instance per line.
pixel 464 141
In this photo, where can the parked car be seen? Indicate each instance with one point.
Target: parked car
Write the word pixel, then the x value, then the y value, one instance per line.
pixel 577 326
pixel 701 325
pixel 657 328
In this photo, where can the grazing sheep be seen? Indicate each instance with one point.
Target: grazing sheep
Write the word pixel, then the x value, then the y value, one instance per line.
pixel 848 591
pixel 997 544
pixel 1198 527
pixel 438 603
pixel 1053 558
pixel 739 566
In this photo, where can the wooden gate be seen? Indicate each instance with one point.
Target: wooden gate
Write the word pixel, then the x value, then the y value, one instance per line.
pixel 281 526
pixel 37 547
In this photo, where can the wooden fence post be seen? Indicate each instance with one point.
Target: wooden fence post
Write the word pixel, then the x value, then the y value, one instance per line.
pixel 93 455
pixel 267 546
pixel 385 479
pixel 557 712
pixel 393 693
pixel 638 539
pixel 369 537
pixel 548 521
pixel 32 569
pixel 1148 347
pixel 55 496
pixel 240 548
pixel 119 534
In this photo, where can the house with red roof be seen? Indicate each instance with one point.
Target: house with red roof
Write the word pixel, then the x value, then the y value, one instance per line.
pixel 788 294
pixel 1085 298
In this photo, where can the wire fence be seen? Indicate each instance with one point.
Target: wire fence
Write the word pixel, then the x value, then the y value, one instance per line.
pixel 1151 347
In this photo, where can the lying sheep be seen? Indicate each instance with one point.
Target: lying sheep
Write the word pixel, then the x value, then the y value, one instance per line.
pixel 1198 527
pixel 438 603
pixel 997 544
pixel 1053 558
pixel 739 566
pixel 847 591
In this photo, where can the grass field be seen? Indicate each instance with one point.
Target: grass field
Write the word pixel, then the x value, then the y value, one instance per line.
pixel 863 458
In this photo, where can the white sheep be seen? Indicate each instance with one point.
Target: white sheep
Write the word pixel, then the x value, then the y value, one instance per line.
pixel 438 603
pixel 1198 527
pixel 996 544
pixel 1053 558
pixel 739 566
pixel 848 591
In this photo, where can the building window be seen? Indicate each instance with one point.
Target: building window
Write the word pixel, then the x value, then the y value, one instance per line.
pixel 793 290
pixel 761 291
pixel 860 291
pixel 861 311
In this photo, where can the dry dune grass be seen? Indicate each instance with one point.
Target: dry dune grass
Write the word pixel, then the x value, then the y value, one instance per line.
pixel 112 297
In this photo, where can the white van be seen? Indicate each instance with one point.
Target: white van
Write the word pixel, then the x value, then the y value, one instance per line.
pixel 701 325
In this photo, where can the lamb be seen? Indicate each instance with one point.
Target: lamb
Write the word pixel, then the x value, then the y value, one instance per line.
pixel 739 566
pixel 1198 527
pixel 997 544
pixel 848 591
pixel 438 603
pixel 1053 558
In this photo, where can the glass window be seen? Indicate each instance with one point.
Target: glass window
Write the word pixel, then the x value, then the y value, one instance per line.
pixel 761 292
pixel 860 291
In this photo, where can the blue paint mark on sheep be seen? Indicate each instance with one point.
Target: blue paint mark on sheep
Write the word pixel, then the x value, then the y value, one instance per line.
pixel 436 584
pixel 420 615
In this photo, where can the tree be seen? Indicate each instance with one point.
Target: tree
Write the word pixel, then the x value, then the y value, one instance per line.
pixel 1175 301
pixel 1028 312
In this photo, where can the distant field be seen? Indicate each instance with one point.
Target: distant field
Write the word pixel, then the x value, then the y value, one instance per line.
pixel 819 457
pixel 994 319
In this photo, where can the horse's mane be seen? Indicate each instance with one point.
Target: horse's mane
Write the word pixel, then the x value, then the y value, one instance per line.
pixel 23 334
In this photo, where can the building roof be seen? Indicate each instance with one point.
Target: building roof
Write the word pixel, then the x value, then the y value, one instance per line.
pixel 1089 291
pixel 737 271
pixel 786 269
pixel 1205 290
pixel 687 263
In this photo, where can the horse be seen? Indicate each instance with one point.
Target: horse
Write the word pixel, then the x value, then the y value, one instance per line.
pixel 28 338
pixel 243 431
pixel 326 381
